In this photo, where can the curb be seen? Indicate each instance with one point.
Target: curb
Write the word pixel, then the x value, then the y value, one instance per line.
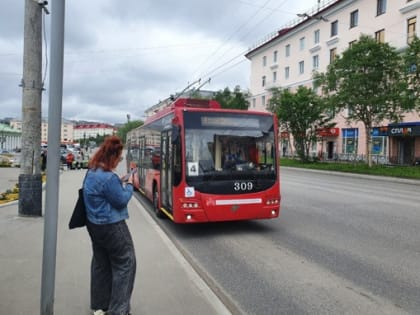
pixel 354 175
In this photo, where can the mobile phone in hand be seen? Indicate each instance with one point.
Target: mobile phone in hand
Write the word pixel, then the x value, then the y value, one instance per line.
pixel 132 172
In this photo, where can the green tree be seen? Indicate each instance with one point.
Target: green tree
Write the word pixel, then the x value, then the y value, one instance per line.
pixel 122 131
pixel 412 70
pixel 302 114
pixel 367 80
pixel 235 100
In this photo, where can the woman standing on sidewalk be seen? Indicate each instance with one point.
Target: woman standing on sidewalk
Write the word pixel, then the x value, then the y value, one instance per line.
pixel 113 265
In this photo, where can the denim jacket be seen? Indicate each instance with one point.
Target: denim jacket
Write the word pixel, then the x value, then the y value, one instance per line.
pixel 106 197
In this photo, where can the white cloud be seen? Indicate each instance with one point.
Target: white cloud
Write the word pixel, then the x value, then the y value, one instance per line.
pixel 124 57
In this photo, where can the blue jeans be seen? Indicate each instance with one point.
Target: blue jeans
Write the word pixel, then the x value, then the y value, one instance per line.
pixel 113 267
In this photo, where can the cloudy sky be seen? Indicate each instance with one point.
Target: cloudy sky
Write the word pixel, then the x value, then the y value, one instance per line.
pixel 121 57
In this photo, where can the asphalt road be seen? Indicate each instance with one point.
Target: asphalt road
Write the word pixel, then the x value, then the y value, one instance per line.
pixel 342 245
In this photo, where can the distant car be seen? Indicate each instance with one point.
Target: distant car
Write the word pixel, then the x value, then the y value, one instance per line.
pixel 7 158
pixel 4 151
pixel 63 154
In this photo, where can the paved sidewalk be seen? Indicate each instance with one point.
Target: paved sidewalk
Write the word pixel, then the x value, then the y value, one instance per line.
pixel 9 177
pixel 165 282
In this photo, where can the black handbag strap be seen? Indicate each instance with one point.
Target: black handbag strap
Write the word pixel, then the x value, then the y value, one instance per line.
pixel 84 179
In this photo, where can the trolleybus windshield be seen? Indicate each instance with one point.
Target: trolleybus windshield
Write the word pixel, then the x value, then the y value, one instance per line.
pixel 221 147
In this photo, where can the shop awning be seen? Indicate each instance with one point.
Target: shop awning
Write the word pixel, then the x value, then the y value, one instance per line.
pixel 404 129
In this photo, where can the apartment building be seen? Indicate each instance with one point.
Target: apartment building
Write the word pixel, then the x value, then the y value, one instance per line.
pixel 288 57
pixel 66 129
pixel 71 132
pixel 92 130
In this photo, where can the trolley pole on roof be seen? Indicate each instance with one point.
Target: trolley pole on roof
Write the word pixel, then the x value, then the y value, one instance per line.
pixel 178 95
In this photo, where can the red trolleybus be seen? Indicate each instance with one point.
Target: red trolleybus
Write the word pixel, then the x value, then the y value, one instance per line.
pixel 198 163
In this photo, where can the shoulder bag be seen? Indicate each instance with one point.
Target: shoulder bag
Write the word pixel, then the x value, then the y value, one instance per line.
pixel 78 217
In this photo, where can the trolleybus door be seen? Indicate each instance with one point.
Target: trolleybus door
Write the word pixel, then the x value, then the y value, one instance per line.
pixel 166 170
pixel 141 166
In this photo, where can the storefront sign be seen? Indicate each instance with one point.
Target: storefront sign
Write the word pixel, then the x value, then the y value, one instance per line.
pixel 402 130
pixel 380 131
pixel 329 132
pixel 350 133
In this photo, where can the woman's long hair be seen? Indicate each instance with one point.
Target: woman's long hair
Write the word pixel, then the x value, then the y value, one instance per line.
pixel 108 155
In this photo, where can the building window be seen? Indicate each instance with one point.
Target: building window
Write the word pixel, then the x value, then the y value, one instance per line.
pixel 274 77
pixel 254 102
pixel 380 7
pixel 302 43
pixel 380 36
pixel 411 29
pixel 287 50
pixel 286 72
pixel 350 137
pixel 316 37
pixel 301 67
pixel 263 80
pixel 315 62
pixel 333 54
pixel 334 28
pixel 275 56
pixel 263 100
pixel 264 61
pixel 379 140
pixel 354 18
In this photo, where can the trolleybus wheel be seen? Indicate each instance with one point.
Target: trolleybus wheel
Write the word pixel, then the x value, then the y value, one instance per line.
pixel 158 212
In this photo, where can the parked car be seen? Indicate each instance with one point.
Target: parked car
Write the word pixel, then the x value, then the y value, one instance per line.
pixel 63 154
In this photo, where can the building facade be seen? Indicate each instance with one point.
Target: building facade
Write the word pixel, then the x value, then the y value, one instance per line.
pixel 66 129
pixel 92 130
pixel 71 132
pixel 10 138
pixel 288 58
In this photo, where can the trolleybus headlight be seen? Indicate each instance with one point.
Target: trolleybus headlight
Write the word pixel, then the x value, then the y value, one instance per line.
pixel 189 216
pixel 272 201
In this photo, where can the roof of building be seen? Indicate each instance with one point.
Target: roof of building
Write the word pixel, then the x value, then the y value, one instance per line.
pixel 7 129
pixel 94 126
pixel 314 13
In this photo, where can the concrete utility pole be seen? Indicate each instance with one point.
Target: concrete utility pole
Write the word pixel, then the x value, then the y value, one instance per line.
pixel 30 181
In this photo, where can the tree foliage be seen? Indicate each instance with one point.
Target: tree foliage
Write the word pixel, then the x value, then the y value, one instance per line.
pixel 412 70
pixel 302 114
pixel 367 80
pixel 122 131
pixel 235 99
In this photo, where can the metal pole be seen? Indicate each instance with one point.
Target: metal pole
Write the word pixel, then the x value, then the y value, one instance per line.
pixel 53 163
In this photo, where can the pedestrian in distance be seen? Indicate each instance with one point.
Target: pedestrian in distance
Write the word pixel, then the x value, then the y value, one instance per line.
pixel 113 266
pixel 43 160
pixel 69 160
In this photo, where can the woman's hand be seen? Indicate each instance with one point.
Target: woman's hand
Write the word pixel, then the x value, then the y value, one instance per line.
pixel 130 179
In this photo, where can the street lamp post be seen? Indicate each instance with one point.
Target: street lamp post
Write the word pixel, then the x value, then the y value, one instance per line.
pixel 2 138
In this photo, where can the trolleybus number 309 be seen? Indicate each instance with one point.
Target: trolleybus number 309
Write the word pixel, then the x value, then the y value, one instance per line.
pixel 242 186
